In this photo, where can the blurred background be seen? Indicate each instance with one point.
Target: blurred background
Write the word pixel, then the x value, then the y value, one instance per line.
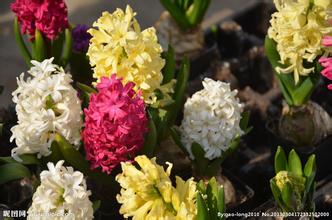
pixel 85 12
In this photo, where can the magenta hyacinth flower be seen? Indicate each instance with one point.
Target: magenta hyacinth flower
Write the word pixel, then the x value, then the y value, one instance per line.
pixel 50 17
pixel 115 124
pixel 326 62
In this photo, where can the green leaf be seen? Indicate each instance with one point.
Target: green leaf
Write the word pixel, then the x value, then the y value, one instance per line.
pixel 57 46
pixel 197 12
pixel 232 148
pixel 294 163
pixel 176 13
pixel 199 155
pixel 180 88
pixel 56 154
pixel 202 211
pixel 280 161
pixel 20 42
pixel 13 171
pixel 150 142
pixel 177 139
pixel 245 116
pixel 27 159
pixel 287 195
pixel 310 166
pixel 40 47
pixel 221 200
pixel 212 195
pixel 67 47
pixel 213 167
pixel 86 92
pixel 96 205
pixel 277 194
pixel 310 172
pixel 201 187
pixel 169 69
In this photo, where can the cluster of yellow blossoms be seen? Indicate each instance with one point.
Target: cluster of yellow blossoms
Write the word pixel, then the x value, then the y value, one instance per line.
pixel 147 193
pixel 119 46
pixel 298 27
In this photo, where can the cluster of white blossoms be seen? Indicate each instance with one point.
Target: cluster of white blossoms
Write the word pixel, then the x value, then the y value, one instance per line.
pixel 46 104
pixel 62 194
pixel 211 118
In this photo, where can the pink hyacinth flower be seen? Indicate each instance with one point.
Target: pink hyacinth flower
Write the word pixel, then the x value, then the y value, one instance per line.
pixel 115 124
pixel 327 41
pixel 326 62
pixel 50 17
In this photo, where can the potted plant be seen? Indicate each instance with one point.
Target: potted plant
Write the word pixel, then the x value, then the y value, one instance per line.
pixel 210 131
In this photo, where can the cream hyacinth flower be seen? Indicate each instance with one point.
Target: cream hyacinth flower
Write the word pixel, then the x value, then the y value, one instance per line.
pixel 46 104
pixel 298 27
pixel 62 195
pixel 211 118
pixel 119 46
pixel 147 193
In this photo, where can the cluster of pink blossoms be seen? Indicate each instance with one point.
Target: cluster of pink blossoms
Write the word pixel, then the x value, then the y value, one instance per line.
pixel 115 124
pixel 326 62
pixel 50 17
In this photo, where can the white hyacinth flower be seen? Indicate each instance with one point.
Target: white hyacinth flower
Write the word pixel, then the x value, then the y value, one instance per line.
pixel 62 195
pixel 211 118
pixel 46 104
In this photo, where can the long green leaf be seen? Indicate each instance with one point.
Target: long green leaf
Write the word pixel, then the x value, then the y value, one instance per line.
pixel 169 69
pixel 57 46
pixel 202 211
pixel 177 139
pixel 150 139
pixel 13 171
pixel 199 155
pixel 180 88
pixel 287 195
pixel 280 160
pixel 198 11
pixel 20 42
pixel 27 159
pixel 67 47
pixel 310 166
pixel 277 194
pixel 40 47
pixel 274 58
pixel 221 200
pixel 294 163
pixel 176 13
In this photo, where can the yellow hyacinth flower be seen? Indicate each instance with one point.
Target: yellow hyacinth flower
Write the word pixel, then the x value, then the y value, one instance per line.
pixel 298 27
pixel 119 46
pixel 148 193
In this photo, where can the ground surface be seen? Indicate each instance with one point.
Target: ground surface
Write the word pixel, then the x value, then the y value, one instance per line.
pixel 82 12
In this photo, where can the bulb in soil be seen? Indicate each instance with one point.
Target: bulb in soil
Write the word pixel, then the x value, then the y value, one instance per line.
pixel 189 43
pixel 305 125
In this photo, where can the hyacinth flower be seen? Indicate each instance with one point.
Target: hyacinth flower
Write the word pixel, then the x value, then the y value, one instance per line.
pixel 46 24
pixel 326 62
pixel 115 124
pixel 62 194
pixel 79 62
pixel 293 187
pixel 180 26
pixel 211 127
pixel 147 192
pixel 114 35
pixel 293 47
